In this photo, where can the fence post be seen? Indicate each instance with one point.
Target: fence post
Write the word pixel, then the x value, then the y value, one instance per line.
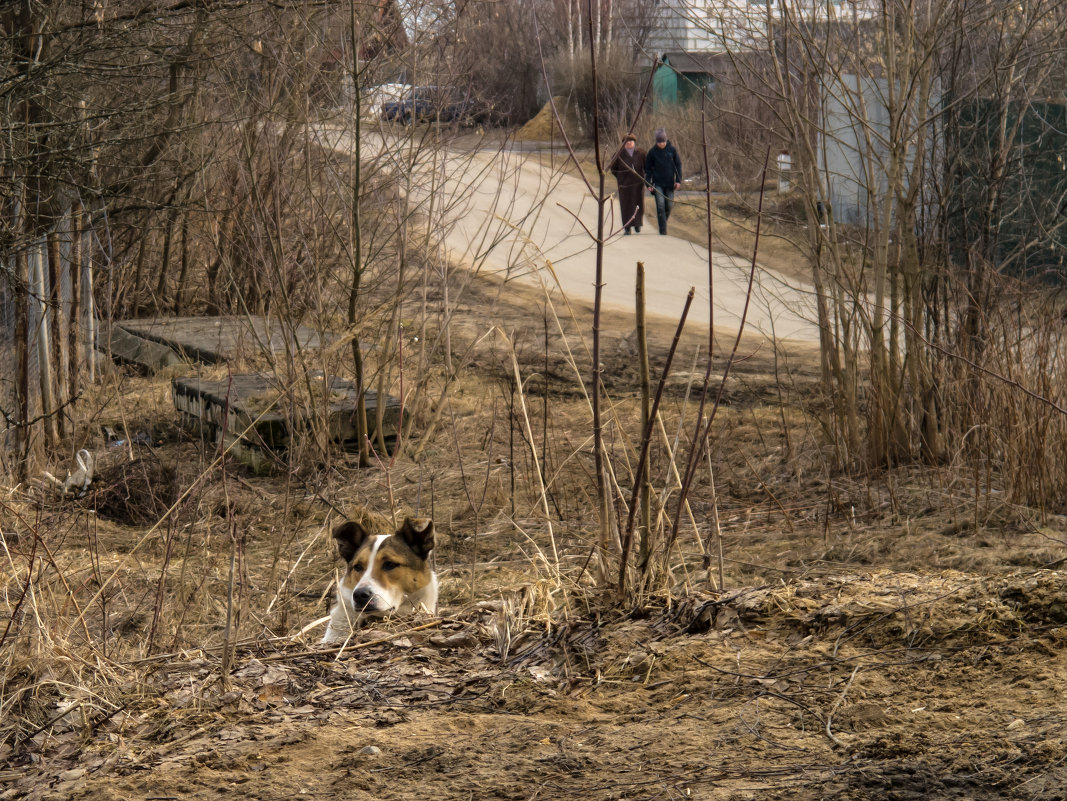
pixel 89 309
pixel 74 277
pixel 58 350
pixel 39 304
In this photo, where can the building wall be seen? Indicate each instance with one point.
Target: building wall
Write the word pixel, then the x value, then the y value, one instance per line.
pixel 716 25
pixel 684 25
pixel 854 146
pixel 853 113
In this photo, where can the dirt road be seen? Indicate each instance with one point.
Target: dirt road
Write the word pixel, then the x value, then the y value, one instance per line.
pixel 519 215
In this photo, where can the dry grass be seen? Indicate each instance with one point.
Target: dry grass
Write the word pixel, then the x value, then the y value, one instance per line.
pixel 137 611
pixel 142 564
pixel 121 629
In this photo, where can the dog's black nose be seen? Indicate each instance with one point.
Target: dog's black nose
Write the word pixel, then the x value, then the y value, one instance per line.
pixel 362 597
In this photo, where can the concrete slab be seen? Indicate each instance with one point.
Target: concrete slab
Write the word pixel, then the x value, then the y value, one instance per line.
pixel 255 414
pixel 131 349
pixel 214 340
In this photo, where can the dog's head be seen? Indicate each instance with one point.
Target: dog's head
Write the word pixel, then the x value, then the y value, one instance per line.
pixel 384 571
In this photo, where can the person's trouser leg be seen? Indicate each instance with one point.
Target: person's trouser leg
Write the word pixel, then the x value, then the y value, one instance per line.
pixel 668 200
pixel 662 210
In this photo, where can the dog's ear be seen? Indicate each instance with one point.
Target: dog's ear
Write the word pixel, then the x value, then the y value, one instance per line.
pixel 417 532
pixel 349 535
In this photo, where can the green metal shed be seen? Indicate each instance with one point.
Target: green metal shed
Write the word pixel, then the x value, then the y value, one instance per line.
pixel 682 76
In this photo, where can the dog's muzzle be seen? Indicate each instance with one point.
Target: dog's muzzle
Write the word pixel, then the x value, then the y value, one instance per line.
pixel 366 602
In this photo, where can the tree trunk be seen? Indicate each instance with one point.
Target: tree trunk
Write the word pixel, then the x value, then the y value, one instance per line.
pixel 355 285
pixel 58 354
pixel 22 350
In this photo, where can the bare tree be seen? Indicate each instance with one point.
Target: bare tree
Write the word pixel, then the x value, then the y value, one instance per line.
pixel 905 121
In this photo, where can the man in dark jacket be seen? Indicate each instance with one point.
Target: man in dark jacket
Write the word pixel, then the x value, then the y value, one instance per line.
pixel 628 167
pixel 663 174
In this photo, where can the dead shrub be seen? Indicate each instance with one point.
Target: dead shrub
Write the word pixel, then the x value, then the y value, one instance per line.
pixel 618 87
pixel 136 493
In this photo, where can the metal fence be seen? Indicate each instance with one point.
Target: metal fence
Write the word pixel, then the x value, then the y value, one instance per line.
pixel 48 327
pixel 1009 200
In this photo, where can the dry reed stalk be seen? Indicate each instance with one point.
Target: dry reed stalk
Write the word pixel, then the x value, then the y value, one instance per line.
pixel 476 508
pixel 555 575
pixel 673 480
pixel 439 405
pixel 718 528
pixel 215 463
pixel 701 434
pixel 543 493
pixel 30 560
pixel 50 560
pixel 230 631
pixel 157 607
pixel 599 455
pixel 283 587
pixel 646 439
pixel 645 496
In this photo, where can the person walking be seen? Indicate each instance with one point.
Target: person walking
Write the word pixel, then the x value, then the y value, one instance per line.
pixel 663 175
pixel 628 167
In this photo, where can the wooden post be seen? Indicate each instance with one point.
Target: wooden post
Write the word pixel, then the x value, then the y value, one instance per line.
pixel 74 276
pixel 22 349
pixel 39 303
pixel 645 494
pixel 58 351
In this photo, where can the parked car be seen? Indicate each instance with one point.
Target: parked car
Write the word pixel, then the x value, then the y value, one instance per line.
pixel 376 98
pixel 430 104
pixel 394 110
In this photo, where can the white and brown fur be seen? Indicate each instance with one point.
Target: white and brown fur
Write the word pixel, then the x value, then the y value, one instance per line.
pixel 385 574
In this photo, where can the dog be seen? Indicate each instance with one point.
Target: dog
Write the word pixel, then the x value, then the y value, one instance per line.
pixel 386 574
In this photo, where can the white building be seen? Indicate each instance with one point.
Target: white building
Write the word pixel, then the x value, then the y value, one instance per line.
pixel 722 25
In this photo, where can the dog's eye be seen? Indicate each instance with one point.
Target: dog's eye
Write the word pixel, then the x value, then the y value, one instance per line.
pixel 359 567
pixel 388 564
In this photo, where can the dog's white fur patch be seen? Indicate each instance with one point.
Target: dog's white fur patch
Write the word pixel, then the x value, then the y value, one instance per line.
pixel 384 599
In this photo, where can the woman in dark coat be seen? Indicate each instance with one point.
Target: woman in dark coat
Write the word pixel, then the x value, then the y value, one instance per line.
pixel 628 167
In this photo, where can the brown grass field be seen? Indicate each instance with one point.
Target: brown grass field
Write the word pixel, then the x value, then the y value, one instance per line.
pixel 895 635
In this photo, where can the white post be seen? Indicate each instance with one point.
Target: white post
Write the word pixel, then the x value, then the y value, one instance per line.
pixel 785 166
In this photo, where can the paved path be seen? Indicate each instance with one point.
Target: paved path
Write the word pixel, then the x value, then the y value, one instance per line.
pixel 506 224
pixel 515 213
